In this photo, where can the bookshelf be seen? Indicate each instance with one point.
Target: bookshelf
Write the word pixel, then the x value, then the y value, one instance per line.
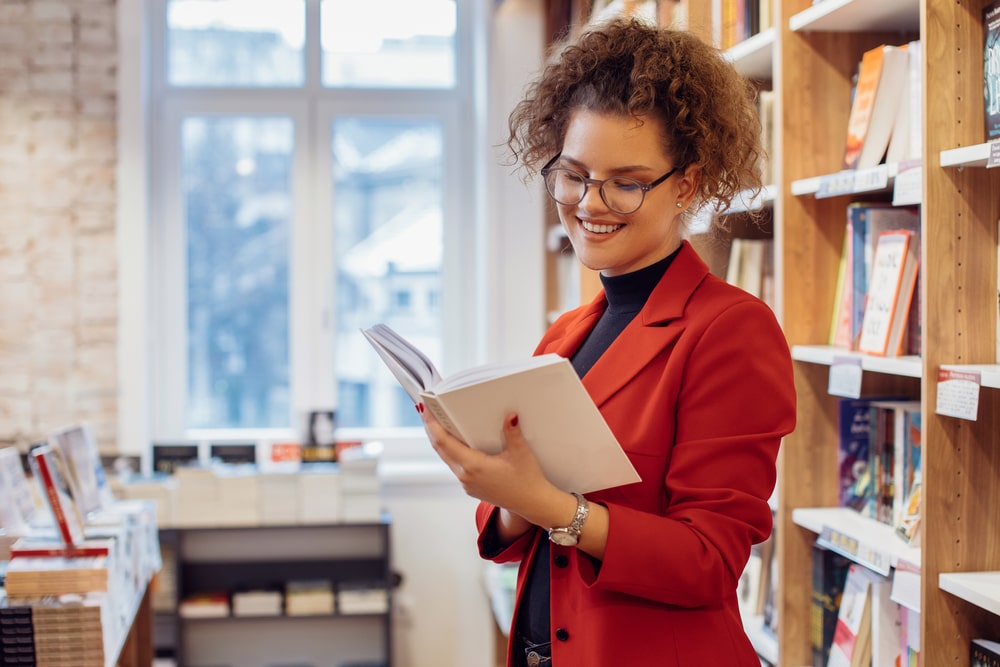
pixel 815 50
pixel 208 559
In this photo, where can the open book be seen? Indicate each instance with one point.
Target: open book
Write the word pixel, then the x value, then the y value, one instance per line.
pixel 574 446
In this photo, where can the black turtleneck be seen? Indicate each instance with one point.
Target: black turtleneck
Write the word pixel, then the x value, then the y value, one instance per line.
pixel 626 295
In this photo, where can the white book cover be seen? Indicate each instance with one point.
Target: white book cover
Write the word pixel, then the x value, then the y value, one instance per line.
pixel 567 433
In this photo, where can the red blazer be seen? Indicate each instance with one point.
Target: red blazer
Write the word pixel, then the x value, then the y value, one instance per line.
pixel 698 389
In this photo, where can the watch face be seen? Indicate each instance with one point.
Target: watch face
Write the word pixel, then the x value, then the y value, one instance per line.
pixel 563 538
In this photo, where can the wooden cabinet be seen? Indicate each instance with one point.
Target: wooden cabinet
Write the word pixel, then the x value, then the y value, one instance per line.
pixel 268 557
pixel 814 52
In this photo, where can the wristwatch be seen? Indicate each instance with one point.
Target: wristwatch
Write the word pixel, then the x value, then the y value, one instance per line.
pixel 568 536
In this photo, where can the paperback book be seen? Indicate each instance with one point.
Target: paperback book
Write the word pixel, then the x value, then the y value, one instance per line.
pixel 56 485
pixel 574 445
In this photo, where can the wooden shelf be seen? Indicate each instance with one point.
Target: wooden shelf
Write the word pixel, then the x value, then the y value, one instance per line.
pixel 826 355
pixel 967 156
pixel 754 57
pixel 979 588
pixel 857 16
pixel 874 538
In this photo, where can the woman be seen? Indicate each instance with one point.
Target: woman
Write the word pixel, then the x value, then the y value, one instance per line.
pixel 636 127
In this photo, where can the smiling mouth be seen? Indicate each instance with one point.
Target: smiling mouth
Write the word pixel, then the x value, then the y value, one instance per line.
pixel 599 229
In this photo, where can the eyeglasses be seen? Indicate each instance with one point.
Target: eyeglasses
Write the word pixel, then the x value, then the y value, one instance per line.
pixel 622 195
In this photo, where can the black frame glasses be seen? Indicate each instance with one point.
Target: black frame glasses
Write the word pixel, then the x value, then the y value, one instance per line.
pixel 587 182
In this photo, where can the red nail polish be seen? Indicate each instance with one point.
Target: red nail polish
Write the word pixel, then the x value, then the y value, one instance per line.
pixel 514 420
pixel 420 408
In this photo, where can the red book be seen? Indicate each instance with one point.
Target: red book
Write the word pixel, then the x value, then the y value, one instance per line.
pixel 32 547
pixel 50 469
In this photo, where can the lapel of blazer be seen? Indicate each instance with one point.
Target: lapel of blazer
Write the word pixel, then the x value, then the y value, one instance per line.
pixel 657 325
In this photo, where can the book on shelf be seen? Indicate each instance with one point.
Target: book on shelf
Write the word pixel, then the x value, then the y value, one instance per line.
pixel 567 433
pixel 50 575
pixel 843 301
pixel 852 635
pixel 56 486
pixel 765 108
pixel 17 506
pixel 892 434
pixel 905 141
pixel 877 95
pixel 83 462
pixel 890 292
pixel 40 547
pixel 991 70
pixel 854 446
pixel 257 602
pixel 887 624
pixel 865 223
pixel 209 604
pixel 829 572
pixel 984 653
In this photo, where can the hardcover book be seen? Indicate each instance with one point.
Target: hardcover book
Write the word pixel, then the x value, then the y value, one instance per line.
pixel 991 69
pixel 574 445
pixel 56 485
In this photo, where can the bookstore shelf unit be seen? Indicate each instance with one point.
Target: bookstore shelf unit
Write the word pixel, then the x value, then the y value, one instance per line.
pixel 815 51
pixel 267 557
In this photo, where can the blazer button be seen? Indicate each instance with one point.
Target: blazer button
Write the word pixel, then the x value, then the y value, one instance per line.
pixel 561 561
pixel 562 634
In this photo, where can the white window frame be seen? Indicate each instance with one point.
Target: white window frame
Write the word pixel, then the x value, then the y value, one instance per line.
pixel 494 307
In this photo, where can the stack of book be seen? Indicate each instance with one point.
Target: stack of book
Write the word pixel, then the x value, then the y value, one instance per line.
pixel 38 577
pixel 197 491
pixel 257 603
pixel 309 597
pixel 362 597
pixel 205 605
pixel 320 493
pixel 70 632
pixel 17 634
pixel 279 498
pixel 361 499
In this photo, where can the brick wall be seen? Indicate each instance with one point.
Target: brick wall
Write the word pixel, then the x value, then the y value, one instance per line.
pixel 58 282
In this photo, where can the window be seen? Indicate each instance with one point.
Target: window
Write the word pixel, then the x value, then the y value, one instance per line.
pixel 304 184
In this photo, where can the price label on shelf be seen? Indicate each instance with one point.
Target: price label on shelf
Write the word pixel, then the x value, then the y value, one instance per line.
pixel 834 185
pixel 907 187
pixel 876 178
pixel 958 393
pixel 994 157
pixel 854 549
pixel 845 377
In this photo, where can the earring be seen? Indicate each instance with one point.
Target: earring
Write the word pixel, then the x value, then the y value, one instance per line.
pixel 678 204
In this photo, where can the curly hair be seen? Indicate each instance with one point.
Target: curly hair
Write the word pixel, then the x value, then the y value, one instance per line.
pixel 626 66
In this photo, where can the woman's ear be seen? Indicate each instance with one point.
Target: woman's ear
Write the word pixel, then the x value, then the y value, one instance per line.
pixel 687 184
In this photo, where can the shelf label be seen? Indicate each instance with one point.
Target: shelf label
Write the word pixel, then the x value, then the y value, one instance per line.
pixel 845 377
pixel 834 185
pixel 958 393
pixel 854 549
pixel 907 187
pixel 994 158
pixel 875 178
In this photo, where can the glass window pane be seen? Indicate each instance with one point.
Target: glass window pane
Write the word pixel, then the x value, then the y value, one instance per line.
pixel 388 43
pixel 227 43
pixel 387 230
pixel 238 207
